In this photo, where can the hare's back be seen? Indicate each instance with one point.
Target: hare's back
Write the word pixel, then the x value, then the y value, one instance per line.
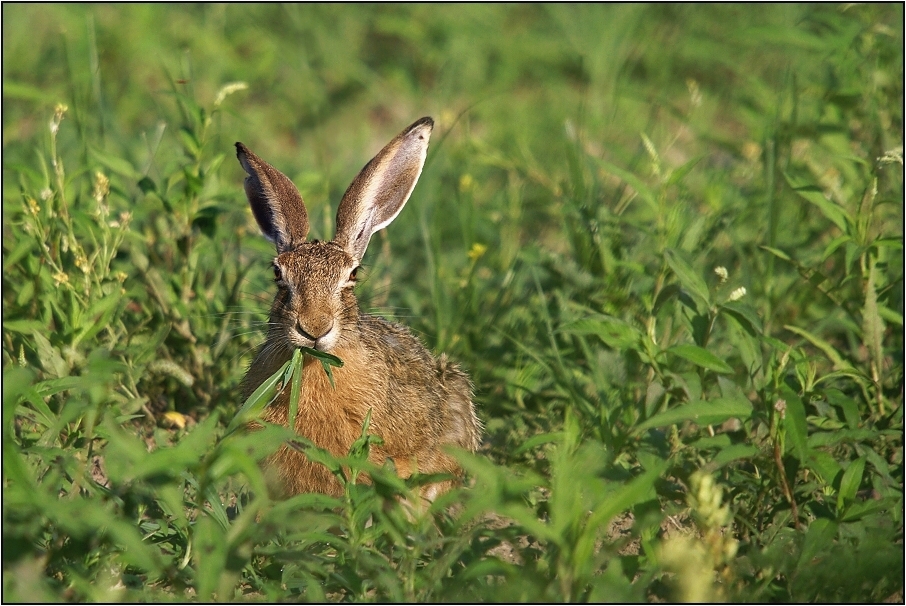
pixel 431 395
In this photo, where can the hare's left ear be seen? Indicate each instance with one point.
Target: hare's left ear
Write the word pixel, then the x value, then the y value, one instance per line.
pixel 379 192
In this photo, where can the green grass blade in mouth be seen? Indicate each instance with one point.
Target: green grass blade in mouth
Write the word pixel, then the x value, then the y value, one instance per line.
pixel 288 374
pixel 262 396
pixel 295 367
pixel 327 360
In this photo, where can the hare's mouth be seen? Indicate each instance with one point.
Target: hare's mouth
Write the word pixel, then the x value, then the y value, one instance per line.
pixel 322 340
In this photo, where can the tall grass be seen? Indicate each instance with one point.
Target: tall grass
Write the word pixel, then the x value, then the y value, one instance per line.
pixel 666 241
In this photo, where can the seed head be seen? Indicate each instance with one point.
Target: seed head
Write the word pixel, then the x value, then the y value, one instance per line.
pixel 737 294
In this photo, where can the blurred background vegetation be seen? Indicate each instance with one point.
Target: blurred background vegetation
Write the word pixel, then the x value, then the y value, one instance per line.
pixel 665 240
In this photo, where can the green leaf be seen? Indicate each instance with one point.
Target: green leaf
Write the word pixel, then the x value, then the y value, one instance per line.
pixel 877 461
pixel 834 244
pixel 635 491
pixel 360 448
pixel 54 386
pixel 849 484
pixel 778 253
pixel 26 294
pixel 679 173
pixel 890 315
pixel 327 360
pixel 305 501
pixel 241 451
pixel 637 184
pixel 852 252
pixel 614 332
pixel 295 369
pixel 732 453
pixel 46 417
pixel 116 164
pixel 857 511
pixel 849 406
pixel 701 357
pixel 702 412
pixel 745 313
pixel 260 398
pixel 823 465
pixel 543 438
pixel 795 423
pixel 190 142
pixel 820 536
pixel 820 439
pixel 99 314
pixel 322 355
pixel 23 247
pixel 688 277
pixel 209 550
pixel 825 423
pixel 25 326
pixel 17 382
pixel 487 567
pixel 127 538
pixel 27 92
pixel 827 348
pixel 747 345
pixel 836 214
pixel 50 357
pixel 146 184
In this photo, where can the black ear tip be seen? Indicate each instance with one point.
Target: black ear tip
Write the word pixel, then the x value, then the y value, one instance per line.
pixel 242 150
pixel 421 123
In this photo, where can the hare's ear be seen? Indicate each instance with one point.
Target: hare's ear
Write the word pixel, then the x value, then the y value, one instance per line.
pixel 381 189
pixel 275 201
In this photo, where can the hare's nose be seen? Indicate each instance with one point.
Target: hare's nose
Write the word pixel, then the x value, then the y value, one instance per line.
pixel 305 334
pixel 315 332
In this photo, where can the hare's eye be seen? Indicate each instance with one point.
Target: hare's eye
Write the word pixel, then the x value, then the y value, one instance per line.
pixel 353 273
pixel 278 275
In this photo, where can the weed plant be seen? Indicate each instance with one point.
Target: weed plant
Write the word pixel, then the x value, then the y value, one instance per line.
pixel 666 241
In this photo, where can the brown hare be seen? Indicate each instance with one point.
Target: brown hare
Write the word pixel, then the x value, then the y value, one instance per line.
pixel 418 403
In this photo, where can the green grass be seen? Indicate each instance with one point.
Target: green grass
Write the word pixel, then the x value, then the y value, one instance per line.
pixel 657 427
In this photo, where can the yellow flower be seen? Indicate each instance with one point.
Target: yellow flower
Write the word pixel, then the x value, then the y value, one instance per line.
pixel 174 419
pixel 751 151
pixel 477 251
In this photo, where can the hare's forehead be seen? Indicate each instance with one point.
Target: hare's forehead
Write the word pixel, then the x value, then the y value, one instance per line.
pixel 315 258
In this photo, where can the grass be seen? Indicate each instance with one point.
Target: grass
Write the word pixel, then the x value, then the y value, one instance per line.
pixel 666 242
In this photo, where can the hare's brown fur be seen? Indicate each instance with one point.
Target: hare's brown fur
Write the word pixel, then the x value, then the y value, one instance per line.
pixel 332 418
pixel 418 403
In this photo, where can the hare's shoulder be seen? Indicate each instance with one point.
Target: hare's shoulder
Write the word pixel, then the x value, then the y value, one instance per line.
pixel 393 342
pixel 407 359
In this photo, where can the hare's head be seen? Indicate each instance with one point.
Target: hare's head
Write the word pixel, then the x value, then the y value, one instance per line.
pixel 315 306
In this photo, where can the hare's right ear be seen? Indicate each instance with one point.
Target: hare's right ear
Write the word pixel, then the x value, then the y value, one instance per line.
pixel 275 201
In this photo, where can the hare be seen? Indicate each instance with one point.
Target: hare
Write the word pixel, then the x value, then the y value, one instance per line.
pixel 418 403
